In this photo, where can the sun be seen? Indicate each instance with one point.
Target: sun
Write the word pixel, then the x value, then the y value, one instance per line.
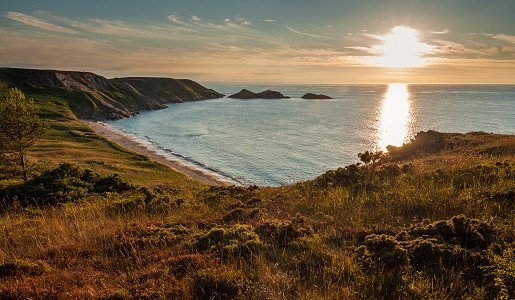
pixel 401 49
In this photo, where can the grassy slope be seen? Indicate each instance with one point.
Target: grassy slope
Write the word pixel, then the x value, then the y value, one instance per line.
pixel 312 240
pixel 70 140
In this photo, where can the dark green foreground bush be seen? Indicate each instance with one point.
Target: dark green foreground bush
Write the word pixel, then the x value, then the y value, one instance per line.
pixel 467 246
pixel 65 183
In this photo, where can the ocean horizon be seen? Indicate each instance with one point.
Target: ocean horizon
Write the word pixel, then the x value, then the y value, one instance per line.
pixel 281 141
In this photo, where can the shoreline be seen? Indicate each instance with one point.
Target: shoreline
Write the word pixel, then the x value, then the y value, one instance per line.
pixel 125 141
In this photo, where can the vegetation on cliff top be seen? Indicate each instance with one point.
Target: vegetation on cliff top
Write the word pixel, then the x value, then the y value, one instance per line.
pixel 432 219
pixel 94 97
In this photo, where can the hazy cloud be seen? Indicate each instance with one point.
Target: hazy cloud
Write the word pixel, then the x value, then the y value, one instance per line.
pixel 176 19
pixel 445 31
pixel 306 34
pixel 34 22
pixel 505 37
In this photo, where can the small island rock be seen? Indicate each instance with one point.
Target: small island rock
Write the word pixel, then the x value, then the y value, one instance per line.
pixel 268 94
pixel 315 96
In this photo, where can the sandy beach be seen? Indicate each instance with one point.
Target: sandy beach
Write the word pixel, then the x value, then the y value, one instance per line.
pixel 124 141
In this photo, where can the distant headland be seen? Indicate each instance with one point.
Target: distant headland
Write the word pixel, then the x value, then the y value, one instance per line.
pixel 94 97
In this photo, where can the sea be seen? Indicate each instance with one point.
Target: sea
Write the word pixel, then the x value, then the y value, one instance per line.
pixel 274 142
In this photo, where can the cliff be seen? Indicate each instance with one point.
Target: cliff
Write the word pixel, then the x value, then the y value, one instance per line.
pixel 93 97
pixel 268 94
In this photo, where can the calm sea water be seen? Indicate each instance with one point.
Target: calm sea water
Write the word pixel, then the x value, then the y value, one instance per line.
pixel 276 142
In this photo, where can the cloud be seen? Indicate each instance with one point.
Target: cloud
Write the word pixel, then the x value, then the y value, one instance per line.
pixel 445 31
pixel 505 37
pixel 116 28
pixel 270 20
pixel 198 24
pixel 34 22
pixel 306 34
pixel 176 19
pixel 242 21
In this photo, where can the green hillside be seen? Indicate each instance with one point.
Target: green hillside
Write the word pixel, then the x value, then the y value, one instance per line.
pixel 94 97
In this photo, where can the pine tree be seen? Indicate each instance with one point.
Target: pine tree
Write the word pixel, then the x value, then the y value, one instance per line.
pixel 20 125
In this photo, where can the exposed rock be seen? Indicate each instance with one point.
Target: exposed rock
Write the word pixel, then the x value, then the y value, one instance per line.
pixel 268 94
pixel 94 97
pixel 315 96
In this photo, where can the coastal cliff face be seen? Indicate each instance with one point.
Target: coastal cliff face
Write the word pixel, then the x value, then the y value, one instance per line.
pixel 94 97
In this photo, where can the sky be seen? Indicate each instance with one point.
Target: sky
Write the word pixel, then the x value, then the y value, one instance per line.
pixel 265 41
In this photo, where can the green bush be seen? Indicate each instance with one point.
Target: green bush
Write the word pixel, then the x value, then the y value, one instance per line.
pixel 382 252
pixel 241 214
pixel 502 272
pixel 65 183
pixel 283 233
pixel 459 243
pixel 239 240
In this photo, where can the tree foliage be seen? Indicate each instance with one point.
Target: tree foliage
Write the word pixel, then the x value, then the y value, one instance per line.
pixel 20 125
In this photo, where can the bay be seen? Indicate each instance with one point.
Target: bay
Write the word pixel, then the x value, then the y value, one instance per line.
pixel 281 141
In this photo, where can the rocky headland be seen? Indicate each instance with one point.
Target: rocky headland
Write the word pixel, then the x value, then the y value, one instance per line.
pixel 94 97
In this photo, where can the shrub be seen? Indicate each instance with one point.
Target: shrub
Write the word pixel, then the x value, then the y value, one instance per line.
pixel 505 198
pixel 283 233
pixel 65 183
pixel 216 284
pixel 502 274
pixel 181 265
pixel 382 252
pixel 22 267
pixel 239 240
pixel 241 214
pixel 111 183
pixel 459 230
pixel 132 240
pixel 459 243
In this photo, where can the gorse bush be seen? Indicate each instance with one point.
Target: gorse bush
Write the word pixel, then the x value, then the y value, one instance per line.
pixel 502 272
pixel 382 252
pixel 283 233
pixel 238 240
pixel 65 183
pixel 460 244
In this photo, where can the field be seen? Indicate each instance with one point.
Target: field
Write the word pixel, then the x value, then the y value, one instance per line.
pixel 433 219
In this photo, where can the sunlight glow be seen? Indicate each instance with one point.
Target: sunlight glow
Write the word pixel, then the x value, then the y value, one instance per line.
pixel 401 49
pixel 395 117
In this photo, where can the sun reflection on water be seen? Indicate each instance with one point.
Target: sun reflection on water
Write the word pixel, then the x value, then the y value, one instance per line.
pixel 395 116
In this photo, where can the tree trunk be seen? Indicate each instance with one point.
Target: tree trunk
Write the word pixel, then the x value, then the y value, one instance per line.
pixel 23 165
